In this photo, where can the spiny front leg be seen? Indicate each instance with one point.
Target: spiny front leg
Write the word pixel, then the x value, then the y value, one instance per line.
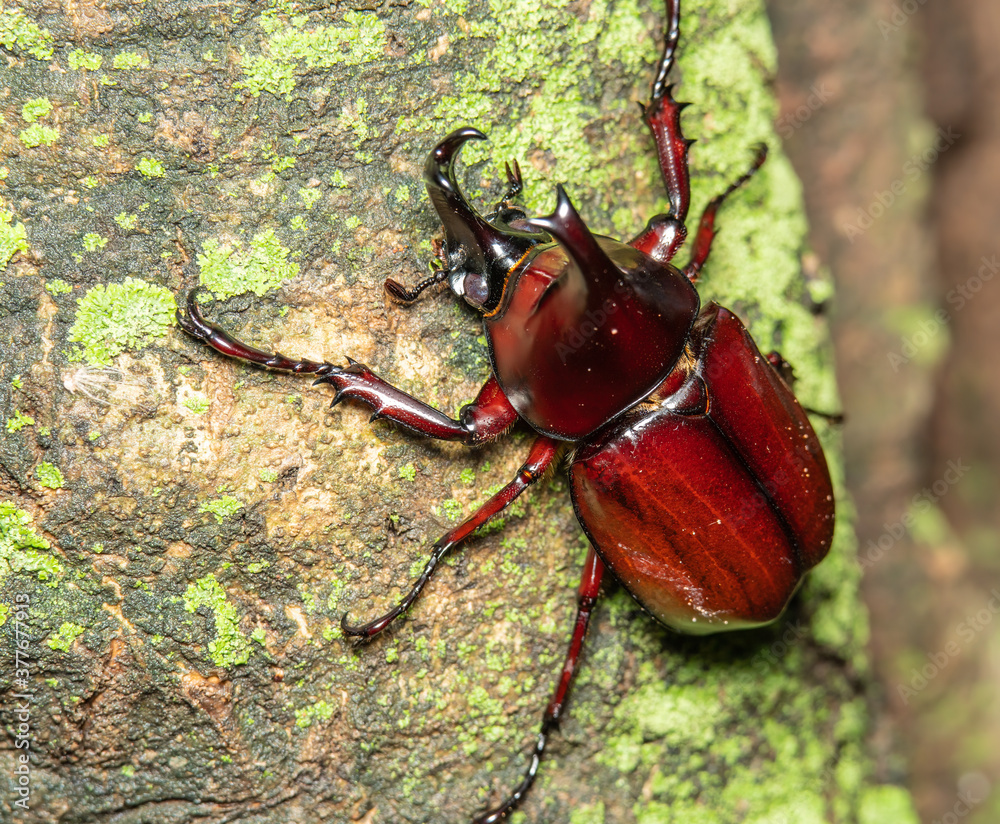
pixel 486 418
pixel 543 452
pixel 590 585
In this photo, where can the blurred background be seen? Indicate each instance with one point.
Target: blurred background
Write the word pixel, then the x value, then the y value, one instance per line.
pixel 890 114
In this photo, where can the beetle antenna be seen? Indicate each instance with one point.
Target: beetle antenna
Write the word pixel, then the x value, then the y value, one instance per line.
pixel 514 180
pixel 399 293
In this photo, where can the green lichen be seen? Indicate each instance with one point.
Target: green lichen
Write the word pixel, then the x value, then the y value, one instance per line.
pixel 37 134
pixel 267 475
pixel 222 507
pixel 198 404
pixel 408 472
pixel 150 167
pixel 310 196
pixel 5 611
pixel 320 711
pixel 230 647
pixel 49 476
pixel 80 59
pixel 17 382
pixel 64 638
pixel 57 286
pixel 20 545
pixel 13 237
pixel 126 220
pixel 451 509
pixel 35 109
pixel 227 270
pixel 18 421
pixel 93 241
pixel 281 163
pixel 22 36
pixel 127 60
pixel 119 316
pixel 291 43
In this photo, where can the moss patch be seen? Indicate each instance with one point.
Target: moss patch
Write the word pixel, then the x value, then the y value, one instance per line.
pixel 120 316
pixel 13 238
pixel 228 270
pixel 230 647
pixel 22 36
pixel 20 545
pixel 35 109
pixel 38 134
pixel 222 507
pixel 64 638
pixel 290 43
pixel 49 476
pixel 18 421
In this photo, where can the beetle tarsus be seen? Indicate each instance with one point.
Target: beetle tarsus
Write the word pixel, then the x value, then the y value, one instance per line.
pixel 590 585
pixel 670 39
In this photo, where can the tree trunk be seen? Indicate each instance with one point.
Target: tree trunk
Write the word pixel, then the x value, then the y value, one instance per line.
pixel 180 533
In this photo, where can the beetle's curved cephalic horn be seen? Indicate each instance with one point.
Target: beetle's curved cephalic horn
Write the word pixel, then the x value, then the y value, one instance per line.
pixel 473 245
pixel 568 228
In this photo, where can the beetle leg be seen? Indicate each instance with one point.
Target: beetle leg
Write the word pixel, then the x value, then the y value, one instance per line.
pixel 663 117
pixel 590 584
pixel 487 417
pixel 543 451
pixel 784 368
pixel 661 238
pixel 706 227
pixel 665 233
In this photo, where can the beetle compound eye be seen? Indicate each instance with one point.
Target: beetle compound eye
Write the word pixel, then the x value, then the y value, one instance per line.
pixel 477 290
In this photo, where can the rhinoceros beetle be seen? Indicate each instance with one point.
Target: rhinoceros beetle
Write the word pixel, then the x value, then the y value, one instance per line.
pixel 694 472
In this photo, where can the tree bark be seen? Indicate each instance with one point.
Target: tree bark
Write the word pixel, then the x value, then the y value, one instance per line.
pixel 182 533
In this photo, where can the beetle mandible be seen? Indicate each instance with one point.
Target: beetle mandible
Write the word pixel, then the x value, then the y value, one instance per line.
pixel 694 471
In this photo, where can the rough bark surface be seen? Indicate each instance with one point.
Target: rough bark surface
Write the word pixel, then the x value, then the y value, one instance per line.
pixel 183 532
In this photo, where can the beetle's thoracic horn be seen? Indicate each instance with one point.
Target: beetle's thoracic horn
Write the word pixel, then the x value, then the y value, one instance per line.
pixel 568 228
pixel 472 243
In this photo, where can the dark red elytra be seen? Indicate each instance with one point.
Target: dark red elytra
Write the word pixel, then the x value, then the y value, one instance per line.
pixel 695 473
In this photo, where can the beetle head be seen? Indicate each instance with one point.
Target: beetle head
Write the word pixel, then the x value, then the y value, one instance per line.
pixel 480 252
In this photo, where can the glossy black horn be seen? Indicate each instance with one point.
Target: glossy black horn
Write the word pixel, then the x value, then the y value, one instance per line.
pixel 472 243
